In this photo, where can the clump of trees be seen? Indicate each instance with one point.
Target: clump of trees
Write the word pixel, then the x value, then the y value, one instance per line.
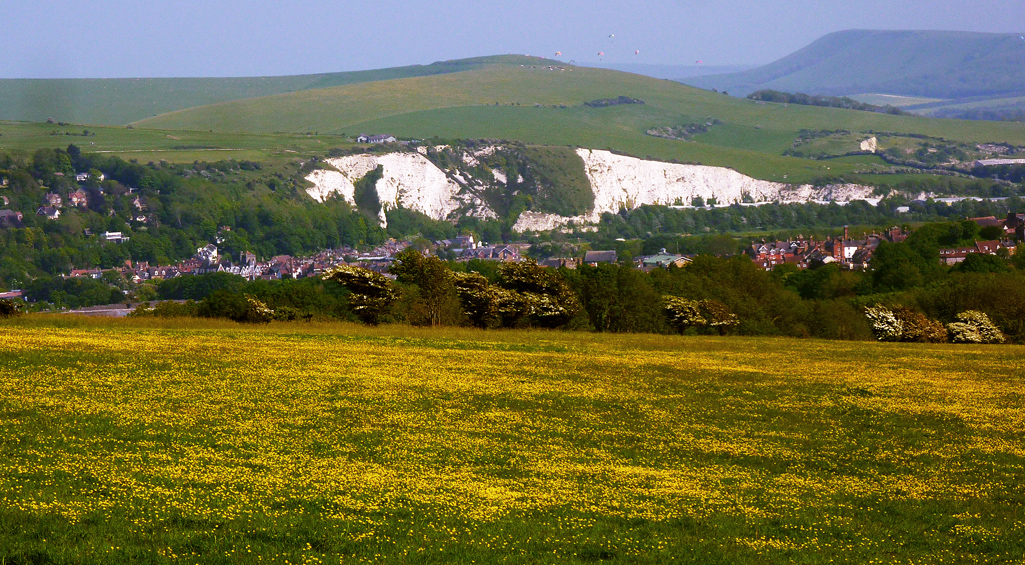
pixel 524 294
pixel 904 324
pixel 824 101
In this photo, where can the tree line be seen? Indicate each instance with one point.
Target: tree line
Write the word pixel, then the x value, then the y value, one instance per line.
pixel 711 295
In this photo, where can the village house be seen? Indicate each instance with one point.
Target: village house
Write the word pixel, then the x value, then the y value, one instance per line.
pixel 460 242
pixel 954 255
pixel 114 236
pixel 207 254
pixel 1015 224
pixel 559 262
pixel 592 258
pixel 84 177
pixel 83 273
pixel 78 198
pixel 52 200
pixel 662 260
pixel 378 264
pixel 9 218
pixel 49 212
pixel 504 253
pixel 381 138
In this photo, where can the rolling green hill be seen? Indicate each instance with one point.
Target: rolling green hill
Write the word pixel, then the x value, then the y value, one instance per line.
pixel 121 101
pixel 935 64
pixel 530 100
pixel 536 105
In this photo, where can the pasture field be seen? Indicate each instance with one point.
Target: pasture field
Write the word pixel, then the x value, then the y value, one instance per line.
pixel 125 100
pixel 165 442
pixel 173 146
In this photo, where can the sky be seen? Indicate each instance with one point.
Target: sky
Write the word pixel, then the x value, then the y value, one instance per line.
pixel 159 38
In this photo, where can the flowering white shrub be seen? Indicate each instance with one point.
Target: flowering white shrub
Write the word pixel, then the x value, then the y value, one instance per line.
pixel 683 313
pixel 885 324
pixel 973 326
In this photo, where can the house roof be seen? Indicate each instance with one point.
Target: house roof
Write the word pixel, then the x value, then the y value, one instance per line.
pixel 600 257
pixel 662 259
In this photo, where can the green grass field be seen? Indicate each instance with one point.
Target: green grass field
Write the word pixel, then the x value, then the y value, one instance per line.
pixel 174 146
pixel 215 443
pixel 540 106
pixel 122 101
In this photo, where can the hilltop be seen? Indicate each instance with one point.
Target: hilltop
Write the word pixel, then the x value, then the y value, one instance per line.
pixel 122 101
pixel 933 64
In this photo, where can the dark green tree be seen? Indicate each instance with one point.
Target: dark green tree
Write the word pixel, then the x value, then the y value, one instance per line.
pixel 372 294
pixel 432 284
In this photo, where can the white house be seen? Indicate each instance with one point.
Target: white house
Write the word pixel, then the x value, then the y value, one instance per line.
pixel 382 138
pixel 115 236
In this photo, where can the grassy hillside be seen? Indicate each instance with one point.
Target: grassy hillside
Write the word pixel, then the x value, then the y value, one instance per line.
pixel 536 105
pixel 933 64
pixel 175 146
pixel 127 443
pixel 122 101
pixel 531 100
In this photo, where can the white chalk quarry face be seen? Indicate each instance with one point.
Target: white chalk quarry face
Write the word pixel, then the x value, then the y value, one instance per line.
pixel 412 181
pixel 619 181
pixel 409 180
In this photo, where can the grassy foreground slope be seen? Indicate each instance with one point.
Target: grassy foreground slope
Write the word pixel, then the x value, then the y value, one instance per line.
pixel 123 442
pixel 936 64
pixel 540 106
pixel 122 101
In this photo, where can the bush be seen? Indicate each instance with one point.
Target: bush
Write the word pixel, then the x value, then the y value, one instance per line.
pixel 9 308
pixel 919 328
pixel 973 326
pixel 903 324
pixel 257 311
pixel 683 314
pixel 286 314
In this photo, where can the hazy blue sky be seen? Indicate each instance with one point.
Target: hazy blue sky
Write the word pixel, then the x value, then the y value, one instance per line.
pixel 135 38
